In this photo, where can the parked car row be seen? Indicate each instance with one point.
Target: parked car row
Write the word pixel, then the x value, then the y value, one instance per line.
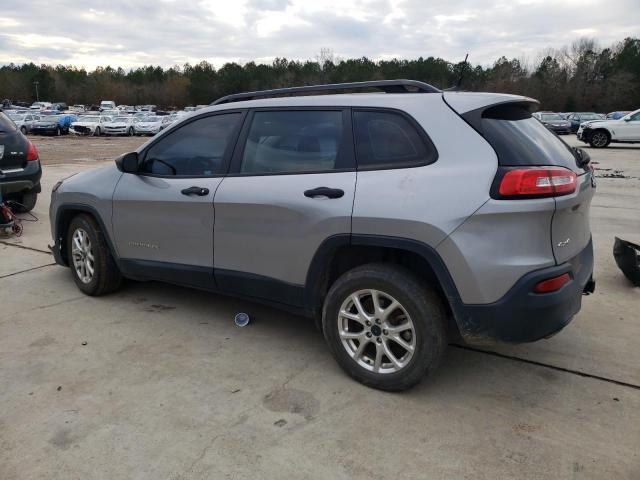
pixel 601 133
pixel 595 129
pixel 130 125
pixel 46 123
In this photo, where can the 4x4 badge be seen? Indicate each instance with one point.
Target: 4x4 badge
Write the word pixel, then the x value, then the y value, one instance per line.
pixel 564 243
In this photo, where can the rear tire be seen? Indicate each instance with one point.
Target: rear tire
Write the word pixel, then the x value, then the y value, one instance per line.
pixel 408 325
pixel 92 265
pixel 97 132
pixel 599 139
pixel 58 132
pixel 130 132
pixel 27 202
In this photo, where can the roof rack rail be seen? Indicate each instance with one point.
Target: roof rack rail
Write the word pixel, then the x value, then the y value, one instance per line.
pixel 387 86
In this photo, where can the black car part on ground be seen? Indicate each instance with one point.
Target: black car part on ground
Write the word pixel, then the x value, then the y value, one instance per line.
pixel 627 256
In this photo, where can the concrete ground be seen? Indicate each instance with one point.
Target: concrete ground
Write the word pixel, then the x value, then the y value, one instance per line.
pixel 156 382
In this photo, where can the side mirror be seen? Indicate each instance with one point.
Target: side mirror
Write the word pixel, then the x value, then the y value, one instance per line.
pixel 627 119
pixel 128 163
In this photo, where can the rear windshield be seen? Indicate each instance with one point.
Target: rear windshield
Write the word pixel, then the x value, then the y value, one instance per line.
pixel 521 140
pixel 6 124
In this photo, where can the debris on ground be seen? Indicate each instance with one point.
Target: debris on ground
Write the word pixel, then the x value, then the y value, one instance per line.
pixel 242 319
pixel 627 256
pixel 614 174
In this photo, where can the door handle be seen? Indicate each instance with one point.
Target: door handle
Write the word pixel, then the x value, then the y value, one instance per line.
pixel 324 192
pixel 201 192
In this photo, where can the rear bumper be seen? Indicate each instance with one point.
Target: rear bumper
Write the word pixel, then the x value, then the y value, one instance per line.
pixel 20 180
pixel 45 131
pixel 523 316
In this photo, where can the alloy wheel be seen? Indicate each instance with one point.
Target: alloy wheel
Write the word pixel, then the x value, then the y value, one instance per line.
pixel 82 255
pixel 376 331
pixel 599 139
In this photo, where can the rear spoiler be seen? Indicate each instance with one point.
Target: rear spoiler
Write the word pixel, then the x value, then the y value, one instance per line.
pixel 508 110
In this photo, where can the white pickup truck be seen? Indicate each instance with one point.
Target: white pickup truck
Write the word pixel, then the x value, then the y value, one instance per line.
pixel 600 133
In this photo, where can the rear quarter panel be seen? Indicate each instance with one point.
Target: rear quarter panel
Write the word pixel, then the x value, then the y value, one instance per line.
pixel 427 203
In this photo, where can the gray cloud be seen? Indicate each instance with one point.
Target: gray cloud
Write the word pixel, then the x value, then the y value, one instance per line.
pixel 169 32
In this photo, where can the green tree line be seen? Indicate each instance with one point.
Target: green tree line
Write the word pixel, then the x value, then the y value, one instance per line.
pixel 579 77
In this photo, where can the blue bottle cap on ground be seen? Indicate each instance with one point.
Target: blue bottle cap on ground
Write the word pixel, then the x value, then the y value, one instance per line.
pixel 242 319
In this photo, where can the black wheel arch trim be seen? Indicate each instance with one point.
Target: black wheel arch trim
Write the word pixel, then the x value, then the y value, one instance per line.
pixel 58 253
pixel 316 273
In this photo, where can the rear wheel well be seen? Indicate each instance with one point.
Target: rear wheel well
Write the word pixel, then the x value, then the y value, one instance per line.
pixel 349 257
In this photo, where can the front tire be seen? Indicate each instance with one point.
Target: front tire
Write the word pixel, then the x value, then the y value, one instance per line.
pixel 384 326
pixel 130 132
pixel 58 132
pixel 599 139
pixel 97 132
pixel 23 129
pixel 92 265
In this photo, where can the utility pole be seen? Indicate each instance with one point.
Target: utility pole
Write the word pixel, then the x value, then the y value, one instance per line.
pixel 37 95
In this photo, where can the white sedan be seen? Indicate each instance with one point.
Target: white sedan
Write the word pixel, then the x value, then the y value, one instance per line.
pixel 122 125
pixel 151 124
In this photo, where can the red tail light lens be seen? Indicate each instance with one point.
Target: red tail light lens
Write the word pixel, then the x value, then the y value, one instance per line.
pixel 32 152
pixel 552 284
pixel 538 182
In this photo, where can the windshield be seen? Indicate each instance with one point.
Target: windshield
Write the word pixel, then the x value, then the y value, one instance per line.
pixel 89 119
pixel 49 118
pixel 16 117
pixel 591 116
pixel 551 116
pixel 121 119
pixel 151 119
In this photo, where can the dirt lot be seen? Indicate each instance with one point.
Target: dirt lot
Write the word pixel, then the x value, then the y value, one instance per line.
pixel 78 149
pixel 156 382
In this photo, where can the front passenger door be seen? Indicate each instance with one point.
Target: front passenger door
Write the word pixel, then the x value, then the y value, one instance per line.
pixel 163 215
pixel 629 129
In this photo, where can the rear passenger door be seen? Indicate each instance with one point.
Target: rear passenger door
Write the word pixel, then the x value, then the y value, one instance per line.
pixel 291 186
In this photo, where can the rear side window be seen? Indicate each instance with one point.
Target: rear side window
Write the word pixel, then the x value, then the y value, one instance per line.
pixel 195 150
pixel 294 142
pixel 520 140
pixel 389 140
pixel 6 124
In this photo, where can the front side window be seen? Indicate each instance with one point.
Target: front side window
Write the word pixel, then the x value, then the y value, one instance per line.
pixel 194 150
pixel 293 142
pixel 388 140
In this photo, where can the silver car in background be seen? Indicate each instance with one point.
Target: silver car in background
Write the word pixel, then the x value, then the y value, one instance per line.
pixel 121 125
pixel 151 124
pixel 24 120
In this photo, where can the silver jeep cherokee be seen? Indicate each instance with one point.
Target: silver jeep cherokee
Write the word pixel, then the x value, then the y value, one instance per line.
pixel 391 218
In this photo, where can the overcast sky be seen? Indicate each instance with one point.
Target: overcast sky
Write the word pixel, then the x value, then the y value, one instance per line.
pixel 131 33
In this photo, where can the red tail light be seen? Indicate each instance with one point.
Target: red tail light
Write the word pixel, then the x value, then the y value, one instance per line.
pixel 538 182
pixel 32 152
pixel 552 284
